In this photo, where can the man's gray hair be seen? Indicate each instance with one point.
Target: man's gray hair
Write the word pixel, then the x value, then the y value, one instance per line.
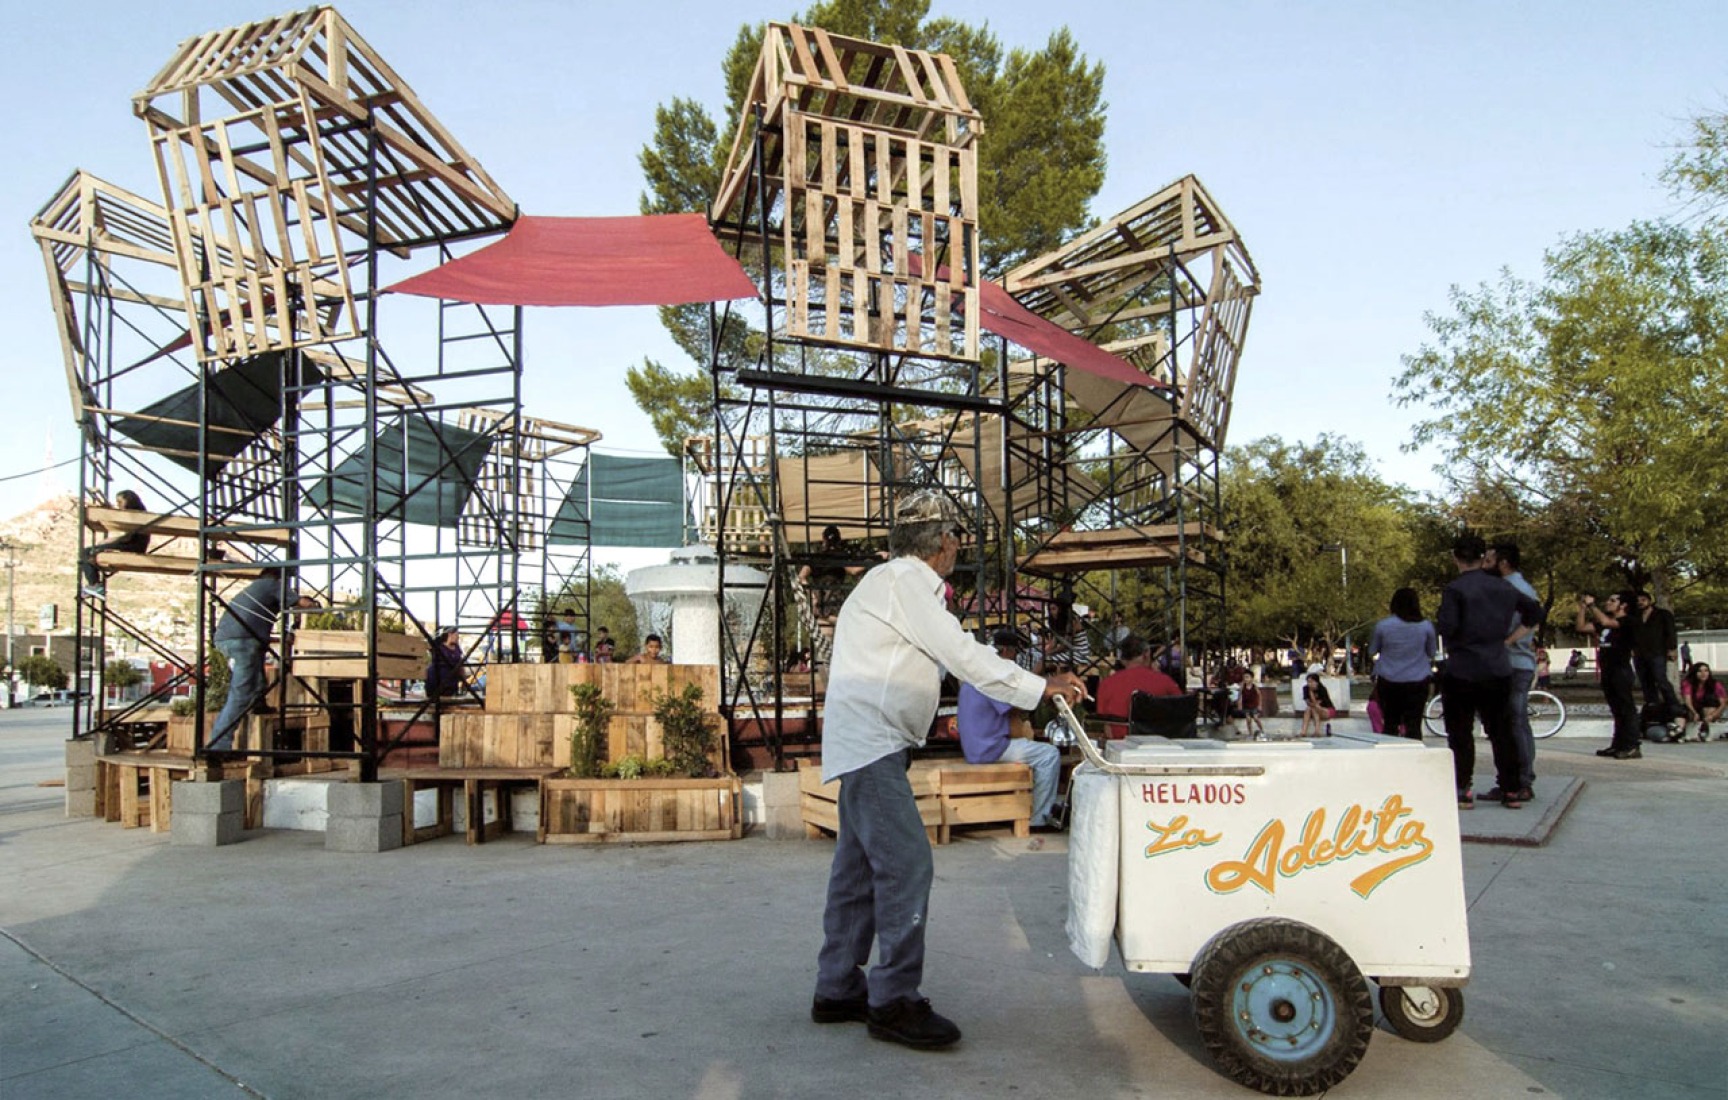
pixel 920 518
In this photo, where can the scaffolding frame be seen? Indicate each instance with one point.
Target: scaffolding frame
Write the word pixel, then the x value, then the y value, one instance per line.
pixel 410 488
pixel 1073 480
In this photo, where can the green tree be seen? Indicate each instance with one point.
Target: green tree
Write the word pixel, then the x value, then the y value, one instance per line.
pixel 120 675
pixel 1289 507
pixel 1595 393
pixel 1698 169
pixel 1040 162
pixel 608 606
pixel 40 670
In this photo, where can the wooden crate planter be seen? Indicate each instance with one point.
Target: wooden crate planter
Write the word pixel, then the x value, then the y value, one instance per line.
pixel 819 802
pixel 341 655
pixel 597 811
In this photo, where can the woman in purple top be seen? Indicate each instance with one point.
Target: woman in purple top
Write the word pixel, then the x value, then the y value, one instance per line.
pixel 1402 648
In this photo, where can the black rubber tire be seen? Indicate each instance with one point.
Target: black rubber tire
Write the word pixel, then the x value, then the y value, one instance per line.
pixel 1244 951
pixel 1420 1026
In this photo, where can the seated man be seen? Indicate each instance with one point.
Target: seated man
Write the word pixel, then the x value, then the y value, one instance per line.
pixel 1136 674
pixel 986 736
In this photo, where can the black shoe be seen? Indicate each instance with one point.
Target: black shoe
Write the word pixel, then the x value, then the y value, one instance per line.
pixel 911 1022
pixel 1633 753
pixel 1609 751
pixel 842 1010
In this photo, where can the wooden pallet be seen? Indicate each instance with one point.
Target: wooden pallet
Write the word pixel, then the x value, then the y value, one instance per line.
pixel 985 794
pixel 819 802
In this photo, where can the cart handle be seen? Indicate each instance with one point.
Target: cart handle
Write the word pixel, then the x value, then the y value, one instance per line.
pixel 1096 758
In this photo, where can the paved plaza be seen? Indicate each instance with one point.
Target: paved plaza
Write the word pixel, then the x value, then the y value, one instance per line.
pixel 275 968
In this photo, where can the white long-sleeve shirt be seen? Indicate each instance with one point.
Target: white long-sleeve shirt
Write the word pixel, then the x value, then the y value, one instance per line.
pixel 892 640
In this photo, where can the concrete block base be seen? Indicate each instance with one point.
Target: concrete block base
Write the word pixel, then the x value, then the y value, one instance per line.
pixel 781 819
pixel 364 817
pixel 208 814
pixel 81 778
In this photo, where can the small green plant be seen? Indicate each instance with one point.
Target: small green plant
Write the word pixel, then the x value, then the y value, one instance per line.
pixel 631 767
pixel 593 715
pixel 182 708
pixel 687 730
pixel 216 684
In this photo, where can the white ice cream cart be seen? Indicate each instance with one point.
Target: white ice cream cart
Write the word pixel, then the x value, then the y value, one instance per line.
pixel 1271 877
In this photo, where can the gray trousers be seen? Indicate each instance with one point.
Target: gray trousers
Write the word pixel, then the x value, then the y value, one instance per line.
pixel 1518 712
pixel 878 888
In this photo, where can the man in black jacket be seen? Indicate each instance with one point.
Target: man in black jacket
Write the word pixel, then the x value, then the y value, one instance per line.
pixel 1474 612
pixel 1654 644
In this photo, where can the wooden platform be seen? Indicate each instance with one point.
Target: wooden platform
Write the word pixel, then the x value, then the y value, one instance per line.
pixel 1122 548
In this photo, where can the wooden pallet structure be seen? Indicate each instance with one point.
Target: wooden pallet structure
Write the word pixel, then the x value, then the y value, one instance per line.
pixel 522 738
pixel 1169 285
pixel 868 157
pixel 290 155
pixel 292 142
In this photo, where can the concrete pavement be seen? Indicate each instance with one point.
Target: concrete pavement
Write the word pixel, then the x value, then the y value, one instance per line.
pixel 276 968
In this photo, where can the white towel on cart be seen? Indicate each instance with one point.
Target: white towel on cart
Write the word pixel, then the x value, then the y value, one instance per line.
pixel 1094 847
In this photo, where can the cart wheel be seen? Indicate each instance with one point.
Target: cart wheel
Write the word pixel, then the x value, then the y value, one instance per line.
pixel 1281 1007
pixel 1422 1013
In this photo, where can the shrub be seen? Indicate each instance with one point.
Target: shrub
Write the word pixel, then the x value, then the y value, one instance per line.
pixel 593 715
pixel 687 731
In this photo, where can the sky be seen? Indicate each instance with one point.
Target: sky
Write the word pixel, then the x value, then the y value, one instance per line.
pixel 1371 155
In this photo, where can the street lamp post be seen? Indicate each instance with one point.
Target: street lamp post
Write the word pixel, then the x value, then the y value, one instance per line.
pixel 1344 585
pixel 6 547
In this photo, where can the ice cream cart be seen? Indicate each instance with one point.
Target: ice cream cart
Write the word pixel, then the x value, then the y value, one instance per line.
pixel 1272 877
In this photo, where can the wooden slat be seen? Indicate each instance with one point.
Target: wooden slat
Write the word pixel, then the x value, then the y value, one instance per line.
pixel 165 564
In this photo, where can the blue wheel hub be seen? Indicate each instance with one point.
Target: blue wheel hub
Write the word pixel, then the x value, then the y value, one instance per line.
pixel 1283 1009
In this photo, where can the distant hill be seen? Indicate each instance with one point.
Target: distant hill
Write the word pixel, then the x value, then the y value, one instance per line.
pixel 46 538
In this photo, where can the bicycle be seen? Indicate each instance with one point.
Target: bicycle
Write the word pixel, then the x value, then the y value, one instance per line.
pixel 1547 715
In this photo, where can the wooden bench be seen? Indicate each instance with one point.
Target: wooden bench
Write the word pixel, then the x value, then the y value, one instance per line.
pixel 171 525
pixel 819 802
pixel 950 795
pixel 985 794
pixel 166 564
pixel 474 782
pixel 136 788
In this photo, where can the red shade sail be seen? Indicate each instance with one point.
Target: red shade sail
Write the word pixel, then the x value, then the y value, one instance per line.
pixel 1008 318
pixel 647 260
